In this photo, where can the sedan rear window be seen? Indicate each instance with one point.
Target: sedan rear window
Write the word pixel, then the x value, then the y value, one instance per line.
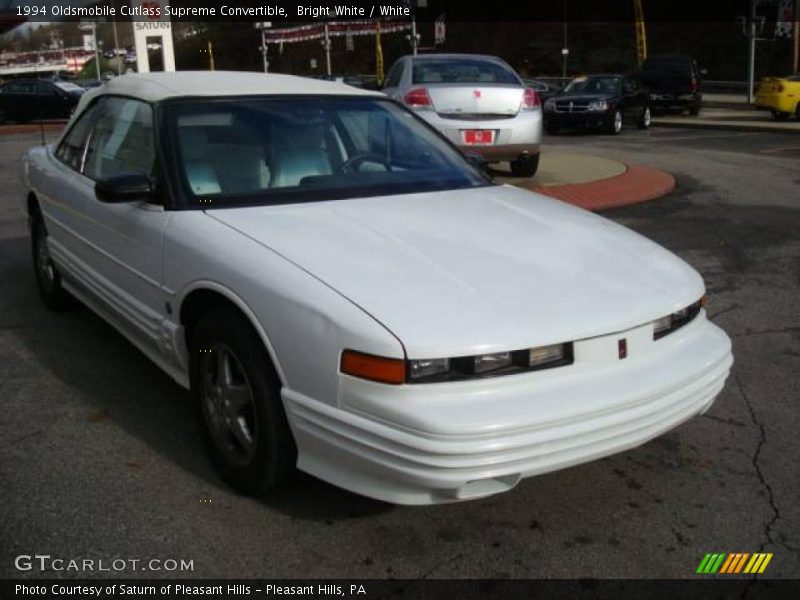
pixel 451 70
pixel 276 150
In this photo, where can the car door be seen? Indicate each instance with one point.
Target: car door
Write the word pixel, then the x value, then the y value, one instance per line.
pixel 123 241
pixel 16 100
pixel 632 105
pixel 49 103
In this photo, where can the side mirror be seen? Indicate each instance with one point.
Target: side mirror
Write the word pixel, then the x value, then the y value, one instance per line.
pixel 477 161
pixel 125 187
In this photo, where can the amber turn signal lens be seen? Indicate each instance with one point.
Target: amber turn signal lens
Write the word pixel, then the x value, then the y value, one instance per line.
pixel 374 368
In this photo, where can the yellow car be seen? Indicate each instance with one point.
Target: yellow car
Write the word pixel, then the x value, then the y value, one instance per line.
pixel 780 95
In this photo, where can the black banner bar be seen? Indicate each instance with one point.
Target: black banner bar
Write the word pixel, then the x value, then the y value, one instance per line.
pixel 707 588
pixel 283 12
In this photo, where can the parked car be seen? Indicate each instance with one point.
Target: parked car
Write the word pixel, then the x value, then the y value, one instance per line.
pixel 673 82
pixel 780 95
pixel 343 292
pixel 478 102
pixel 24 100
pixel 606 102
pixel 545 89
pixel 130 58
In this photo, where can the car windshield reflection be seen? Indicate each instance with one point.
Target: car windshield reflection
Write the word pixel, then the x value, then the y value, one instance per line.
pixel 270 150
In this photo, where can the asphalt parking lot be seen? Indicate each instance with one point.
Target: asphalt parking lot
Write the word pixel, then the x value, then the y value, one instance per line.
pixel 101 457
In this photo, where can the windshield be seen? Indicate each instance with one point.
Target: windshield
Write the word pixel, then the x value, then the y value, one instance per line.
pixel 69 87
pixel 602 84
pixel 675 64
pixel 462 70
pixel 300 149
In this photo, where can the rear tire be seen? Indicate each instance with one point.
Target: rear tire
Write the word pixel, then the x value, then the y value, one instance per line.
pixel 780 116
pixel 238 395
pixel 644 122
pixel 525 166
pixel 48 279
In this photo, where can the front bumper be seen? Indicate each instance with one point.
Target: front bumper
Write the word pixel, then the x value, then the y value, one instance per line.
pixel 589 120
pixel 515 136
pixel 445 442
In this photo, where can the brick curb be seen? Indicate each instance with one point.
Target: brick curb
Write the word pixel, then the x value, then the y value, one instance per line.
pixel 637 184
pixel 31 128
pixel 722 126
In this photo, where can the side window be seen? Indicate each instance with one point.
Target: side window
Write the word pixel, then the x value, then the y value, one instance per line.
pixel 40 88
pixel 14 88
pixel 70 150
pixel 628 86
pixel 122 139
pixel 394 75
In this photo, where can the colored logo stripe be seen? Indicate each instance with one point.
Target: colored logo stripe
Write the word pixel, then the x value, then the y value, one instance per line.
pixel 733 563
pixel 758 563
pixel 711 563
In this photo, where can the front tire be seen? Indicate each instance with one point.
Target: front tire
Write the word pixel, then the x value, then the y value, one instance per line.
pixel 615 123
pixel 238 393
pixel 525 166
pixel 48 279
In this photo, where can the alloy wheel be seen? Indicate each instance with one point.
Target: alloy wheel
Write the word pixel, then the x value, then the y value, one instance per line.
pixel 617 122
pixel 228 404
pixel 44 264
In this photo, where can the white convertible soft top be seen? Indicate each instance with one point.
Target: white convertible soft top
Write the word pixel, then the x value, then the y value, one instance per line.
pixel 158 86
pixel 152 87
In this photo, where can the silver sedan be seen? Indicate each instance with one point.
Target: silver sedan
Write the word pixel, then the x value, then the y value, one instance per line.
pixel 478 102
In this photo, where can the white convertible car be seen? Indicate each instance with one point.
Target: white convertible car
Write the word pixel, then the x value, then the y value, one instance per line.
pixel 345 293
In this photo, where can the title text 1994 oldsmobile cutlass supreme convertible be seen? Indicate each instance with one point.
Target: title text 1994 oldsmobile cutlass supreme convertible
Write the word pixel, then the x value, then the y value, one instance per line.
pixel 345 293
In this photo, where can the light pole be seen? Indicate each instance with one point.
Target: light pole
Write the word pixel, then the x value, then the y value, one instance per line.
pixel 565 46
pixel 263 26
pixel 92 27
pixel 327 44
pixel 116 47
pixel 751 55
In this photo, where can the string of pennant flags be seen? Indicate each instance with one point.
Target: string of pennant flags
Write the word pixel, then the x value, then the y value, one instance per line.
pixel 304 33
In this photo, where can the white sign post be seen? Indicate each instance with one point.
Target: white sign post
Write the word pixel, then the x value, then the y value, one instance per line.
pixel 152 27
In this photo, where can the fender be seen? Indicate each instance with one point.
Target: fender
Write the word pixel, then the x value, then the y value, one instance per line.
pixel 179 335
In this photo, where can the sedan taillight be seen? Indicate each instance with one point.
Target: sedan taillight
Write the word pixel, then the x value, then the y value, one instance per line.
pixel 418 98
pixel 530 99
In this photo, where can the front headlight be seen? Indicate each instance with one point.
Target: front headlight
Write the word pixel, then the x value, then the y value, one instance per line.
pixel 550 105
pixel 489 365
pixel 676 320
pixel 598 106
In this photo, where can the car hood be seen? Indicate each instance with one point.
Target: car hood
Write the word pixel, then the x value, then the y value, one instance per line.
pixel 480 270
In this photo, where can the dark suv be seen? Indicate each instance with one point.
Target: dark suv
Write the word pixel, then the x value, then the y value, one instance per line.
pixel 674 83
